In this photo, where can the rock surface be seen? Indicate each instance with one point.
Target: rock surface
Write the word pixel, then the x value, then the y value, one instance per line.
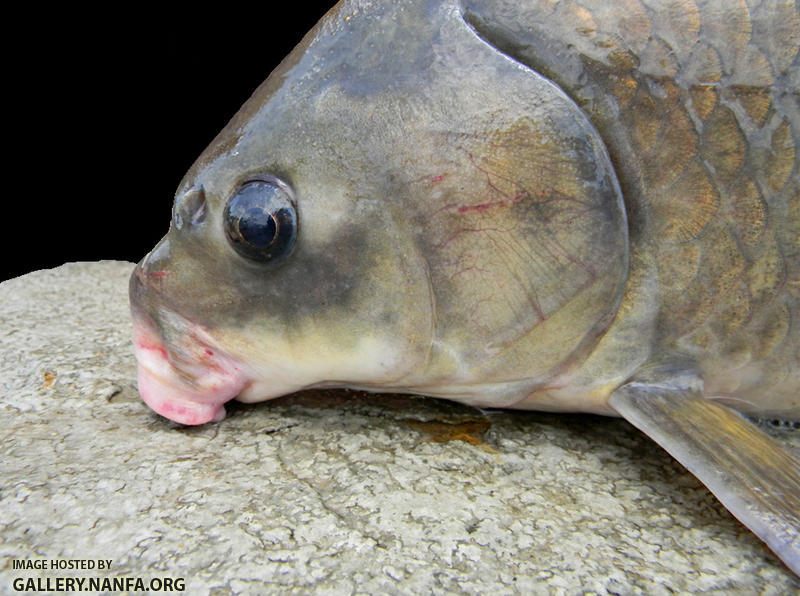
pixel 329 492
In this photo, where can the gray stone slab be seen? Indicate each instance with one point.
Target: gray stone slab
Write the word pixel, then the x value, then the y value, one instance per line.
pixel 330 492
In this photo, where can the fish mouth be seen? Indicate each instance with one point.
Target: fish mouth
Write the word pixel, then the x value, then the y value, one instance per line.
pixel 187 384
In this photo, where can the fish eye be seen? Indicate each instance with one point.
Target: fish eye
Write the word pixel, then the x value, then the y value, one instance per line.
pixel 260 220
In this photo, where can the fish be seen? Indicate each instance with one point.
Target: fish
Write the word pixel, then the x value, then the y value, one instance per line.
pixel 534 204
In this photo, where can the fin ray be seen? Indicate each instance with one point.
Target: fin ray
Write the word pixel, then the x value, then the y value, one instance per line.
pixel 748 471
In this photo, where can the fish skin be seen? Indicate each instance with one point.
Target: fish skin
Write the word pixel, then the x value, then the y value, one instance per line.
pixel 527 204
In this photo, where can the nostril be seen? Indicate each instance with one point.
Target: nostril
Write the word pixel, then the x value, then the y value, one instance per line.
pixel 190 207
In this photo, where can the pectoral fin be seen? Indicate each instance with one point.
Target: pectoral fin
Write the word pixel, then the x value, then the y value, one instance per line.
pixel 750 473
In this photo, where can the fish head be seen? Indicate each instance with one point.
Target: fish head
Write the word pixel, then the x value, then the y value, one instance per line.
pixel 398 207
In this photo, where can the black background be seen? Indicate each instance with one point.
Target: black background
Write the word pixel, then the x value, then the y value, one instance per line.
pixel 109 111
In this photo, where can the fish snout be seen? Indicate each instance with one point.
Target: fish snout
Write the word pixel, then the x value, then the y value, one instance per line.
pixel 153 282
pixel 155 265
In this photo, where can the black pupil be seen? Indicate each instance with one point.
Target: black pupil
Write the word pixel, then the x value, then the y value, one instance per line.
pixel 257 227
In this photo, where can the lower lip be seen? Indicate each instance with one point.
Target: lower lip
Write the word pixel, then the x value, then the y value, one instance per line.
pixel 216 379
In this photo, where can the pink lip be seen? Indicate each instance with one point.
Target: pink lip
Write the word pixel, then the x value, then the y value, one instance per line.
pixel 214 378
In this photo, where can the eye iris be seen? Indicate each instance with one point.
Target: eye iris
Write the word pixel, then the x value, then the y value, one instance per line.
pixel 260 220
